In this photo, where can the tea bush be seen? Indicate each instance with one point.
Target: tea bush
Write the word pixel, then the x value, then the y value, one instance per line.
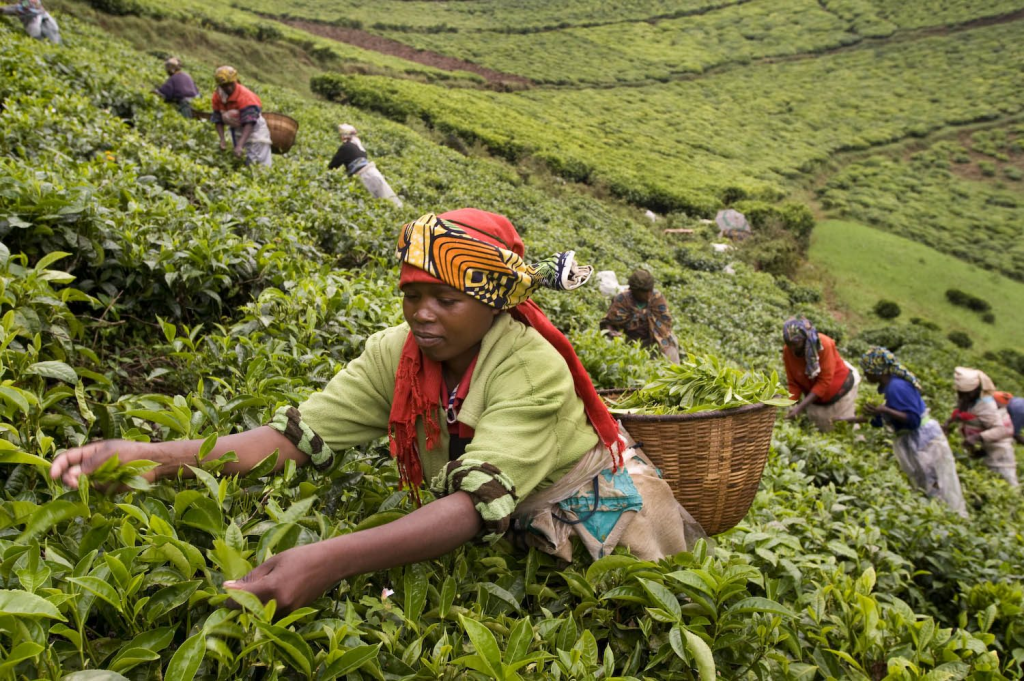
pixel 887 309
pixel 151 290
pixel 971 302
pixel 960 339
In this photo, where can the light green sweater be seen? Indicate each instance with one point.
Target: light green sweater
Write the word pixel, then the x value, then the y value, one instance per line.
pixel 528 422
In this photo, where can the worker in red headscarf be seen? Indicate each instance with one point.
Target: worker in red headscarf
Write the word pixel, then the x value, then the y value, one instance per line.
pixel 241 110
pixel 478 394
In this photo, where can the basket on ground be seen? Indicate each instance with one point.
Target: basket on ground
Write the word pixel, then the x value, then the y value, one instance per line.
pixel 712 460
pixel 282 131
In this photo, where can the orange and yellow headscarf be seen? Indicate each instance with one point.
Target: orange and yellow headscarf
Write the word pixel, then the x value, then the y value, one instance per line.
pixel 489 270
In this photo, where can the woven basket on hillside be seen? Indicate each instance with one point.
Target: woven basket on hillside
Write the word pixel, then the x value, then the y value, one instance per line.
pixel 712 460
pixel 282 131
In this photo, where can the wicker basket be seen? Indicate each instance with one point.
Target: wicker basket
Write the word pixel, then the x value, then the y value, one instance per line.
pixel 282 131
pixel 712 460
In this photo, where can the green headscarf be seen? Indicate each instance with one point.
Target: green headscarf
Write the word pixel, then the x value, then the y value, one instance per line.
pixel 881 362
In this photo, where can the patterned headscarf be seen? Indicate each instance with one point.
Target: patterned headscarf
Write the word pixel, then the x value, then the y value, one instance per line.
pixel 225 74
pixel 880 362
pixel 496 276
pixel 480 254
pixel 800 330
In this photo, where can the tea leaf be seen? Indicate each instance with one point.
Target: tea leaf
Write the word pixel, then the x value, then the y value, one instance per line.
pixel 23 604
pixel 186 659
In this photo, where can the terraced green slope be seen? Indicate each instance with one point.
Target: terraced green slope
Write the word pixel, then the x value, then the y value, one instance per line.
pixel 697 144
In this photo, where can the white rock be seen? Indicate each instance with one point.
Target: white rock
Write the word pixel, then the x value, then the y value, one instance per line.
pixel 728 269
pixel 721 248
pixel 650 215
pixel 608 283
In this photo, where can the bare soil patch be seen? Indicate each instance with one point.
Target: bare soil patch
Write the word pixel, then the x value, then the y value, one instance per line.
pixel 369 41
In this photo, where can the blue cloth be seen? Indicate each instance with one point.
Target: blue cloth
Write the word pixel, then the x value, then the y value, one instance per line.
pixel 616 493
pixel 902 396
pixel 1016 411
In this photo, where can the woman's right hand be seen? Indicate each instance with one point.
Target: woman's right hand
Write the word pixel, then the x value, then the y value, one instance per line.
pixel 71 464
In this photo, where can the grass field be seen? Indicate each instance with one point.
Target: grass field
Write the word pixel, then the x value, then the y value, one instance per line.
pixel 861 265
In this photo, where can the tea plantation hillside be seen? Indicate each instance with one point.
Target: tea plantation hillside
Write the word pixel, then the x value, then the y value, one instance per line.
pixel 848 80
pixel 725 136
pixel 635 41
pixel 152 289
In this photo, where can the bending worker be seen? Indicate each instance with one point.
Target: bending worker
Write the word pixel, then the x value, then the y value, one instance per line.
pixel 240 108
pixel 641 313
pixel 921 447
pixel 1014 406
pixel 352 155
pixel 37 21
pixel 983 423
pixel 824 386
pixel 179 89
pixel 481 396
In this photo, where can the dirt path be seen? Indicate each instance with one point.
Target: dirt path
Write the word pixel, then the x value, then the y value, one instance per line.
pixel 369 41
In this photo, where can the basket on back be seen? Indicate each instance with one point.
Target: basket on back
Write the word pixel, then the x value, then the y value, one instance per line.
pixel 282 131
pixel 712 460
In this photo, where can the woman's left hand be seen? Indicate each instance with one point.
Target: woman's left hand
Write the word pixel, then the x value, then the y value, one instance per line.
pixel 972 439
pixel 294 578
pixel 239 151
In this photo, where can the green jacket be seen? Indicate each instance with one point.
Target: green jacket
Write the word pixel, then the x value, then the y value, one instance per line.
pixel 529 425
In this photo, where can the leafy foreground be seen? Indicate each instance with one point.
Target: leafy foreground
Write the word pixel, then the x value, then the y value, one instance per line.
pixel 149 289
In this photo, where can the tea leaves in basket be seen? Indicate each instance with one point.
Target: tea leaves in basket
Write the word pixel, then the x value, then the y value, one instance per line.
pixel 704 383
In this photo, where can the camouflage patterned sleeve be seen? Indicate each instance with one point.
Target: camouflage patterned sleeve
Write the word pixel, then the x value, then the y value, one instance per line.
pixel 288 421
pixel 493 494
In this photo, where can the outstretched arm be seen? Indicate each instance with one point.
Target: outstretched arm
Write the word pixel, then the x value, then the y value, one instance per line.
pixel 298 576
pixel 803 404
pixel 251 447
